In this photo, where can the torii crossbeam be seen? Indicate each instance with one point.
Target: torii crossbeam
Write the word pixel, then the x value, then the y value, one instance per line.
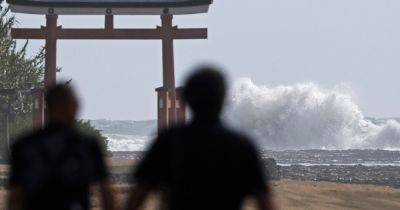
pixel 167 32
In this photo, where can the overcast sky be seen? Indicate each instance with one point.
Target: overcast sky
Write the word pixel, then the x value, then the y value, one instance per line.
pixel 328 42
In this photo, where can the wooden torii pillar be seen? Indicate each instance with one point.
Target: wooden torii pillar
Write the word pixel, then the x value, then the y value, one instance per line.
pixel 167 32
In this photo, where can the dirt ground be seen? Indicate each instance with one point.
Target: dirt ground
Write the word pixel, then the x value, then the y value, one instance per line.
pixel 299 195
pixel 289 195
pixel 296 195
pixel 307 195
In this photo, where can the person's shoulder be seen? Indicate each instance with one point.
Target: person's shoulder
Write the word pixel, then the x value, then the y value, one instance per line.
pixel 239 139
pixel 173 131
pixel 88 141
pixel 235 134
pixel 85 137
pixel 170 136
pixel 27 139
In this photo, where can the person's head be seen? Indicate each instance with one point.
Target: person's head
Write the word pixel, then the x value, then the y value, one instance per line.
pixel 62 104
pixel 204 92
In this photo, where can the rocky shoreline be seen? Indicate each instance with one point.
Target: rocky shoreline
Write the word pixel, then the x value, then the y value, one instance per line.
pixel 379 167
pixel 358 174
pixel 351 174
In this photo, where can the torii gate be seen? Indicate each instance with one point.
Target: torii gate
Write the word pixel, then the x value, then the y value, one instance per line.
pixel 170 108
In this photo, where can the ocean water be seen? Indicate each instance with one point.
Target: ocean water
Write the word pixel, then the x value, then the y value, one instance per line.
pixel 294 117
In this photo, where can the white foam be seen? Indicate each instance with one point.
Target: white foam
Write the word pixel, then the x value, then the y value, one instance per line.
pixel 118 142
pixel 306 116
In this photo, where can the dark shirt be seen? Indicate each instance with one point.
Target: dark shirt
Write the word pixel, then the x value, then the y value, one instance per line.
pixel 54 168
pixel 202 166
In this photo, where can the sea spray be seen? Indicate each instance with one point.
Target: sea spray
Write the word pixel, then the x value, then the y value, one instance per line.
pixel 387 137
pixel 305 116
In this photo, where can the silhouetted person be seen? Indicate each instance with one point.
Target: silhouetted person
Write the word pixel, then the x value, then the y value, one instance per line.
pixel 53 168
pixel 202 165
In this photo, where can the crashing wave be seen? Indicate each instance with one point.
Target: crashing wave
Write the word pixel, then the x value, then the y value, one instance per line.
pixel 306 116
pixel 118 142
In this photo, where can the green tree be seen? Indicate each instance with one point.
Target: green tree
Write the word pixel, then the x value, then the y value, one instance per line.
pixel 21 72
pixel 18 72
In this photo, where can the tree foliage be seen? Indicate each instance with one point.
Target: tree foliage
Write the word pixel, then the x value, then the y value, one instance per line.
pixel 22 73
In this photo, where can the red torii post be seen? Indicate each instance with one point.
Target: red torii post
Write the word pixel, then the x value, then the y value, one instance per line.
pixel 167 101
